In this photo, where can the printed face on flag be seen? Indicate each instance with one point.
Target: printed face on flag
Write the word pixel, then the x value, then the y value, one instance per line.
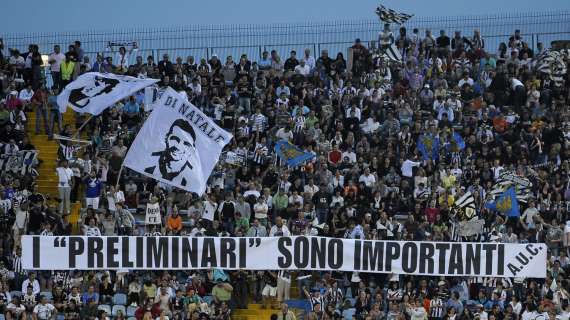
pixel 180 150
pixel 81 96
pixel 178 144
pixel 94 92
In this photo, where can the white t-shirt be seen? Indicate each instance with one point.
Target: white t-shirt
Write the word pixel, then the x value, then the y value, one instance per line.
pixel 44 311
pixel 279 231
pixel 152 214
pixel 64 175
pixel 515 83
pixel 368 180
pixel 209 210
pixel 303 70
pixel 407 167
pixel 260 210
pixel 57 58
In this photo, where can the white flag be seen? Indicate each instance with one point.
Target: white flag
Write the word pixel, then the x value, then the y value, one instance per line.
pixel 93 92
pixel 178 144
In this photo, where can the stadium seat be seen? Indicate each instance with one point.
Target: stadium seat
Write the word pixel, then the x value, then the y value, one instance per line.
pixel 2 317
pixel 105 307
pixel 47 294
pixel 117 308
pixel 131 311
pixel 120 298
pixel 60 317
pixel 131 318
pixel 15 293
pixel 208 299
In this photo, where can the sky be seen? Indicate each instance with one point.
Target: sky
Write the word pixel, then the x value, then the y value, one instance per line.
pixel 67 16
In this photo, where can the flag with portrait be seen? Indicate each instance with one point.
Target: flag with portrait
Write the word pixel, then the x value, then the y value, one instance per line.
pixel 178 144
pixel 93 92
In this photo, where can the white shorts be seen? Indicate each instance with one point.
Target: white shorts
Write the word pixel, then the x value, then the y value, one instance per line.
pixel 93 202
pixel 269 291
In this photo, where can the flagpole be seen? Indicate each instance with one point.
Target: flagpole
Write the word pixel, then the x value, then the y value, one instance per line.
pixel 119 178
pixel 82 126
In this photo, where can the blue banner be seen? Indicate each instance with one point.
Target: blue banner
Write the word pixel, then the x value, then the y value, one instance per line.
pixel 291 154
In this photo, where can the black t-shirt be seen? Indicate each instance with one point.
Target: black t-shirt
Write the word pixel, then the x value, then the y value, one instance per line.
pixel 244 90
pixel 36 198
pixel 442 41
pixel 322 199
pixel 35 220
pixel 291 63
pixel 227 210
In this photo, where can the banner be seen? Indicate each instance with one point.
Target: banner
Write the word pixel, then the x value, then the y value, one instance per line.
pixel 291 154
pixel 178 144
pixel 93 92
pixel 285 253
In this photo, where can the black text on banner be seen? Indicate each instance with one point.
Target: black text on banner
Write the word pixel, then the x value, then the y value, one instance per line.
pixel 276 253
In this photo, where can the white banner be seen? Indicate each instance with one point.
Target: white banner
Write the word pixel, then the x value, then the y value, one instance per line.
pixel 288 253
pixel 178 144
pixel 93 92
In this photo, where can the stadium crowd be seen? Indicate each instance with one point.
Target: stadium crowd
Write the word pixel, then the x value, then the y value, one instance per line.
pixel 361 118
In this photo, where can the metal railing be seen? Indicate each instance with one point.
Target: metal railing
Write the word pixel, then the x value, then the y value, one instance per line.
pixel 336 36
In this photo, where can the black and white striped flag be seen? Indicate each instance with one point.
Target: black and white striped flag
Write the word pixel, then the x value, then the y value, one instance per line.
pixel 391 16
pixel 28 161
pixel 551 62
pixel 22 162
pixel 523 186
pixel 465 206
pixel 392 54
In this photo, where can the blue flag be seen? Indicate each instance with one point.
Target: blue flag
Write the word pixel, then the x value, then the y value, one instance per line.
pixel 506 203
pixel 428 146
pixel 291 154
pixel 457 143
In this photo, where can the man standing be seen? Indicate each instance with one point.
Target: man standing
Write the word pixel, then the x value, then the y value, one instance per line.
pixel 92 190
pixel 291 63
pixel 54 114
pixel 309 59
pixel 65 178
pixel 67 70
pixel 40 104
pixel 55 60
pixel 165 67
